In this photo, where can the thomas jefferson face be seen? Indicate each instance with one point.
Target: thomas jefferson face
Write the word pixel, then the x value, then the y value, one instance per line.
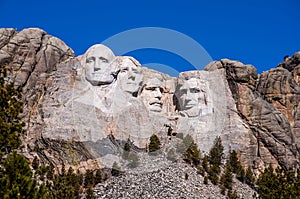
pixel 191 97
pixel 130 75
pixel 152 95
pixel 98 70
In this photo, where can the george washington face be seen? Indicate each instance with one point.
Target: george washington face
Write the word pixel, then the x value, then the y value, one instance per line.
pixel 98 68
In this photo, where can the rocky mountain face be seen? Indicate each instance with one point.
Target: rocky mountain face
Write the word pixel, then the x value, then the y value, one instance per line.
pixel 80 110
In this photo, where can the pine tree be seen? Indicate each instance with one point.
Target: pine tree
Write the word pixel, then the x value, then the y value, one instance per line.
pixel 35 163
pixel 205 180
pixel 65 186
pixel 236 167
pixel 41 171
pixel 279 184
pixel 16 178
pixel 227 177
pixel 232 195
pixel 90 193
pixel 89 178
pixel 234 161
pixel 249 177
pixel 188 140
pixel 98 176
pixel 240 174
pixel 186 176
pixel 201 170
pixel 268 183
pixel 215 159
pixel 180 148
pixel 11 126
pixel 213 174
pixel 133 160
pixel 216 153
pixel 192 154
pixel 126 150
pixel 154 145
pixel 63 169
pixel 115 170
pixel 171 155
pixel 222 189
pixel 50 173
pixel 205 162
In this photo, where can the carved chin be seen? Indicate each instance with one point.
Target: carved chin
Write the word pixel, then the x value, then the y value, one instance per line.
pixel 155 108
pixel 130 88
pixel 100 81
pixel 193 112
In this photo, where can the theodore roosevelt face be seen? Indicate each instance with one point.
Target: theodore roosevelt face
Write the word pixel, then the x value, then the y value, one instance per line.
pixel 152 95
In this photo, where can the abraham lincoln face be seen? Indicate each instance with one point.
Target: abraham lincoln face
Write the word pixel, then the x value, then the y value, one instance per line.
pixel 191 97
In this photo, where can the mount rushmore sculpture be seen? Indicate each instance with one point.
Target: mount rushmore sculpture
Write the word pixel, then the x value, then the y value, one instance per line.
pixel 98 95
pixel 78 109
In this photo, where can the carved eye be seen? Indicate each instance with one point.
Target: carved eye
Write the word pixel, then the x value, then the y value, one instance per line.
pixel 195 90
pixel 90 60
pixel 150 88
pixel 183 91
pixel 135 71
pixel 104 60
pixel 124 70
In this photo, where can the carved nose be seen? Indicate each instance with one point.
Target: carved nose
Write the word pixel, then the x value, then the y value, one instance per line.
pixel 97 64
pixel 157 93
pixel 131 75
pixel 186 101
pixel 189 95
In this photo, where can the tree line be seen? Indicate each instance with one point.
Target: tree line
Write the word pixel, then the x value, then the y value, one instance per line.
pixel 20 178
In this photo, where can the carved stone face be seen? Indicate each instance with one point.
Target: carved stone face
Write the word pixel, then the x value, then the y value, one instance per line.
pixel 191 97
pixel 152 95
pixel 130 76
pixel 98 68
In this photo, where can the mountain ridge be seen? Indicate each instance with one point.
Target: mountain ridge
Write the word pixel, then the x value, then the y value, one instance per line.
pixel 261 112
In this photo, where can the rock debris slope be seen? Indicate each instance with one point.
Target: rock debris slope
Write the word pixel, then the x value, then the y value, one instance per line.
pixel 167 182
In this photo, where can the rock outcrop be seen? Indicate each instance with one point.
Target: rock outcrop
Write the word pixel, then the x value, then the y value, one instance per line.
pixel 81 109
pixel 272 139
pixel 30 56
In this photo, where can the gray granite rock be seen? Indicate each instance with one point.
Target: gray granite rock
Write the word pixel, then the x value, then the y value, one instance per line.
pixel 91 104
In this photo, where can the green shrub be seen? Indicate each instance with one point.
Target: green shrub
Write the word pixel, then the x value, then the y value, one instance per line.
pixel 126 150
pixel 171 155
pixel 134 160
pixel 115 170
pixel 154 145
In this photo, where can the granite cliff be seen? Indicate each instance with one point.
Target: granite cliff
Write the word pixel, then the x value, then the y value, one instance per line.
pixel 81 109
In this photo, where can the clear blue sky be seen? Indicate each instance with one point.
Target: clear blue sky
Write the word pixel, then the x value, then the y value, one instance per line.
pixel 255 32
